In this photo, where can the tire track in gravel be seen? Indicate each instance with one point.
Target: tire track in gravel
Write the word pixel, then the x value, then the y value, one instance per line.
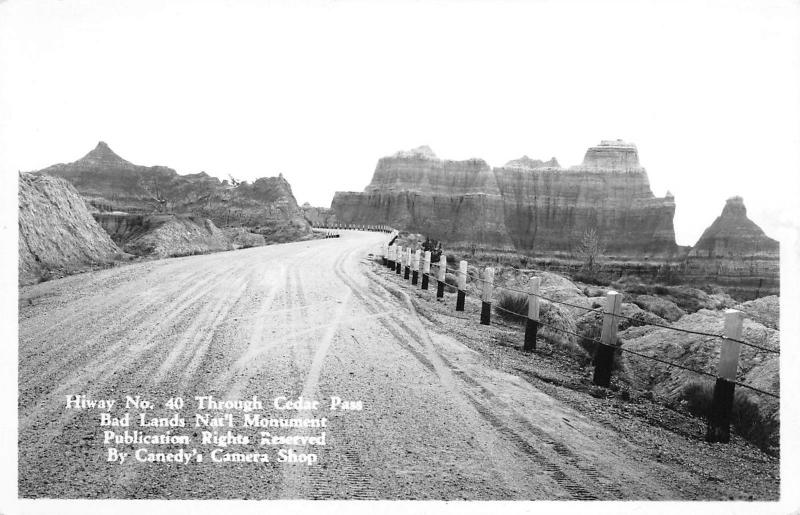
pixel 103 365
pixel 174 378
pixel 404 336
pixel 103 344
pixel 120 361
pixel 298 480
pixel 67 322
pixel 583 473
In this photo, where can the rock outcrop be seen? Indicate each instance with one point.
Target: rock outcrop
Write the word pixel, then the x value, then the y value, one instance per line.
pixel 455 201
pixel 318 216
pixel 163 235
pixel 179 236
pixel 110 183
pixel 756 367
pixel 57 234
pixel 734 252
pixel 548 209
pixel 528 205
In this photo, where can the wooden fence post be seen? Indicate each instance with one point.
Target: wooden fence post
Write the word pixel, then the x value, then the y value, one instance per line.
pixel 488 289
pixel 426 269
pixel 719 416
pixel 415 266
pixel 408 263
pixel 400 256
pixel 390 256
pixel 532 324
pixel 604 357
pixel 441 274
pixel 462 285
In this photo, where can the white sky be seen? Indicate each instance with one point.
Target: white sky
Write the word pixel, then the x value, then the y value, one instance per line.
pixel 709 91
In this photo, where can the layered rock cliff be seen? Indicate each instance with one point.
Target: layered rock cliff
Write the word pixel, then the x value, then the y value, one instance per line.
pixel 454 201
pixel 318 216
pixel 548 208
pixel 110 183
pixel 57 235
pixel 735 252
pixel 533 206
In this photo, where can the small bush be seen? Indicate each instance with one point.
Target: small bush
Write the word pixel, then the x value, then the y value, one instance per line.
pixel 746 418
pixel 589 278
pixel 557 322
pixel 512 307
pixel 451 283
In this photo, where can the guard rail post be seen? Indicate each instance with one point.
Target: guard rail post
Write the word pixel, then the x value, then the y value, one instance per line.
pixel 441 275
pixel 604 357
pixel 719 416
pixel 400 256
pixel 532 324
pixel 462 285
pixel 426 269
pixel 407 271
pixel 415 267
pixel 486 300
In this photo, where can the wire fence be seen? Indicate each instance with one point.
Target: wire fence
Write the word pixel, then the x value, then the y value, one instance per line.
pixel 584 339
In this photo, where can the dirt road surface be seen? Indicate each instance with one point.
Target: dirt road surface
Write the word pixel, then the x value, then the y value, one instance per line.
pixel 311 319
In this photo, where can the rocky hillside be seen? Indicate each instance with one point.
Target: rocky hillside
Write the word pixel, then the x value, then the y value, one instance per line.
pixel 455 201
pixel 164 235
pixel 736 253
pixel 547 208
pixel 110 183
pixel 318 216
pixel 528 205
pixel 57 234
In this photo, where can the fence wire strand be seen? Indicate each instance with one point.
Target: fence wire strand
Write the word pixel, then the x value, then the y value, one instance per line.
pixel 621 349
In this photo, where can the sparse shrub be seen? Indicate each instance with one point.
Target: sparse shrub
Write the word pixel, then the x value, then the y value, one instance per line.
pixel 660 289
pixel 557 322
pixel 451 283
pixel 589 278
pixel 746 418
pixel 512 306
pixel 590 327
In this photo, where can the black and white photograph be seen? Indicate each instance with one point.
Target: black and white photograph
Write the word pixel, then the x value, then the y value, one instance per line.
pixel 409 256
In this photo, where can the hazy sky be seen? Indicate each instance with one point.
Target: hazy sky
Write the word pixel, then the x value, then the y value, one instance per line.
pixel 709 91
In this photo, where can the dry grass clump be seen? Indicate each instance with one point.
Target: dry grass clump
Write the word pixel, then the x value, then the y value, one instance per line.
pixel 558 324
pixel 747 418
pixel 451 283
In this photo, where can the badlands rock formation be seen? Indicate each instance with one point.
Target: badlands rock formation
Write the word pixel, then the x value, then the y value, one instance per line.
pixel 454 201
pixel 57 235
pixel 735 252
pixel 318 216
pixel 532 206
pixel 547 209
pixel 110 183
pixel 163 235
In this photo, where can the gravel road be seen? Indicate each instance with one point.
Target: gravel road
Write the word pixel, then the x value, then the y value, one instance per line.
pixel 310 319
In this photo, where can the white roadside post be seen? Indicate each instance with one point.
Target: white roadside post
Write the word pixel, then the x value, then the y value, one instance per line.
pixel 462 285
pixel 426 269
pixel 415 266
pixel 486 298
pixel 719 416
pixel 604 358
pixel 532 324
pixel 441 275
pixel 399 260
